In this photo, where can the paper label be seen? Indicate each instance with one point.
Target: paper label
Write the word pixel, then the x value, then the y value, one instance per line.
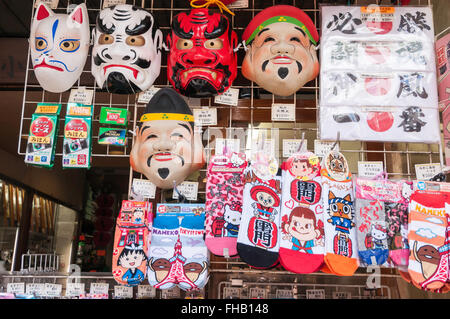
pixel 321 148
pixel 146 96
pixel 75 289
pixel 230 97
pixel 146 291
pixel 284 294
pixel 315 293
pixel 47 109
pixel 81 95
pixel 283 112
pixel 341 295
pixel 268 146
pixel 233 145
pixel 123 292
pixel 188 189
pixel 238 4
pixel 52 290
pixel 36 289
pixel 427 171
pixel 15 288
pixel 205 116
pixel 369 169
pixel 109 3
pixel 144 188
pixel 99 288
pixel 258 293
pixel 291 146
pixel 80 110
pixel 231 293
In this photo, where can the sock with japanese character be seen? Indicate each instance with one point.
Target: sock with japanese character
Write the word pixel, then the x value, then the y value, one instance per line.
pixel 131 242
pixel 258 242
pixel 428 261
pixel 302 238
pixel 341 249
pixel 223 206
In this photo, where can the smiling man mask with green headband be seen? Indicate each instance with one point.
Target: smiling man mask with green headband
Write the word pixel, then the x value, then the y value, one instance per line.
pixel 281 50
pixel 166 147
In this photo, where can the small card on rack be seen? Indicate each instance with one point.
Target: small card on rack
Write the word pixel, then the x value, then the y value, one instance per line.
pixel 188 189
pixel 230 97
pixel 205 116
pixel 283 112
pixel 369 169
pixel 81 95
pixel 291 146
pixel 427 171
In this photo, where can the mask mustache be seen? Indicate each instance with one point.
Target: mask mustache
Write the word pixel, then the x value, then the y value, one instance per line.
pixel 144 64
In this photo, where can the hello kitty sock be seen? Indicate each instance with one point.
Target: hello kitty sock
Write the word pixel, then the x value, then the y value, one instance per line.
pixel 223 207
pixel 302 238
pixel 341 249
pixel 131 243
pixel 258 242
pixel 397 227
pixel 428 261
pixel 165 234
pixel 194 252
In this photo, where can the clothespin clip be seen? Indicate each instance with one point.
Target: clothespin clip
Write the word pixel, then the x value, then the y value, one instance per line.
pixel 181 197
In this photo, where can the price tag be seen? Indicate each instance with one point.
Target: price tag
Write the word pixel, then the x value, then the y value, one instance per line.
pixel 232 145
pixel 99 288
pixel 268 147
pixel 52 290
pixel 144 188
pixel 146 96
pixel 230 97
pixel 283 112
pixel 231 293
pixel 188 189
pixel 290 147
pixel 321 148
pixel 81 95
pixel 146 291
pixel 53 4
pixel 171 293
pixel 238 4
pixel 75 289
pixel 109 3
pixel 123 292
pixel 341 295
pixel 315 293
pixel 258 293
pixel 427 171
pixel 369 169
pixel 284 294
pixel 15 288
pixel 36 289
pixel 205 116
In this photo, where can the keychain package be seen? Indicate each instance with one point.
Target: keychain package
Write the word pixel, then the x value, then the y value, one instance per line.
pixel 77 136
pixel 42 138
pixel 378 74
pixel 114 116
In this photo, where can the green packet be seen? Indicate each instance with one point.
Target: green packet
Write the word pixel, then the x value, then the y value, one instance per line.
pixel 42 138
pixel 112 136
pixel 113 115
pixel 77 136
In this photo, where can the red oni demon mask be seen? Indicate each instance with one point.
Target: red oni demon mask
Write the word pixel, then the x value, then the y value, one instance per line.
pixel 201 61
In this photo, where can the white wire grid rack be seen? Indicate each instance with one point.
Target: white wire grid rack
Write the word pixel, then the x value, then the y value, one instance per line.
pixel 247 120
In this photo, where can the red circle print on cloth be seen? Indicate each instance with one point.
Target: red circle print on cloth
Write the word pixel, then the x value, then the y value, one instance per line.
pixel 377 86
pixel 377 53
pixel 380 121
pixel 379 27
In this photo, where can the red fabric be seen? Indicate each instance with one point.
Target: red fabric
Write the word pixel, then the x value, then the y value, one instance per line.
pixel 281 10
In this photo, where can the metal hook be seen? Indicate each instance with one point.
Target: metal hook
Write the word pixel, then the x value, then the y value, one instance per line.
pixel 337 140
pixel 301 143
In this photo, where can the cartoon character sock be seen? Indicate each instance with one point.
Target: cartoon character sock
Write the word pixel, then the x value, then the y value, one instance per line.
pixel 341 249
pixel 165 234
pixel 258 242
pixel 223 207
pixel 130 243
pixel 428 261
pixel 397 227
pixel 194 257
pixel 302 239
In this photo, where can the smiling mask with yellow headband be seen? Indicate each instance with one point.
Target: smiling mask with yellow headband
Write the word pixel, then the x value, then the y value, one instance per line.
pixel 166 147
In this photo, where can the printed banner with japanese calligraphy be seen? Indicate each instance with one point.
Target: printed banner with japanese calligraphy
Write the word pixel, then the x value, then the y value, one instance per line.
pixel 378 74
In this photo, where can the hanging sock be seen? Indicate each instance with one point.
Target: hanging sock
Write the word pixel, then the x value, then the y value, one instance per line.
pixel 341 249
pixel 302 234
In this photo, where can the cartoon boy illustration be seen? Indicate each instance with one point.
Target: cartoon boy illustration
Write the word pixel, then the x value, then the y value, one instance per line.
pixel 138 215
pixel 131 258
pixel 302 230
pixel 266 199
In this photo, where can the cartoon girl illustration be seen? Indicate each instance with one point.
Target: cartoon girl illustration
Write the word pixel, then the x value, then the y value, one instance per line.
pixel 131 258
pixel 302 230
pixel 304 167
